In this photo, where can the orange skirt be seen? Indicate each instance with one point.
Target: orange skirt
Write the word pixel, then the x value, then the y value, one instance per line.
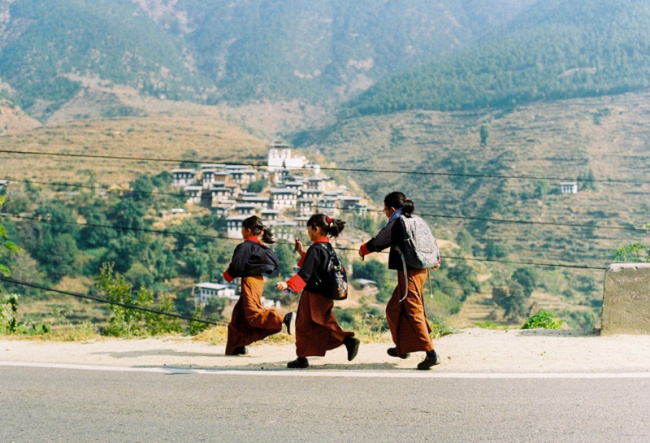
pixel 407 320
pixel 317 330
pixel 250 320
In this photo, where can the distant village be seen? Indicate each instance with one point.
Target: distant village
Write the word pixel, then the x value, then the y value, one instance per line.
pixel 293 190
pixel 297 190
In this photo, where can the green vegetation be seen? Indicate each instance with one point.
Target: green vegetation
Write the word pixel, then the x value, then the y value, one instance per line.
pixel 104 38
pixel 543 320
pixel 555 50
pixel 213 51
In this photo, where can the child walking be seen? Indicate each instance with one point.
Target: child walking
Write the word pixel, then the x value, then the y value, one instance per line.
pixel 405 313
pixel 250 320
pixel 317 330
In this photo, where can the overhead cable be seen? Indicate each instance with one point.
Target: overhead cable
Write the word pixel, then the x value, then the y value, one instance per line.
pixel 257 164
pixel 103 300
pixel 156 231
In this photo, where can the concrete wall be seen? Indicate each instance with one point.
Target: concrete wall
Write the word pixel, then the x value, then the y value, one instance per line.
pixel 626 299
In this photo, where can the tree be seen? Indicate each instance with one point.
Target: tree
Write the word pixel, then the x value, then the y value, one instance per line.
pixel 514 302
pixel 287 258
pixel 257 186
pixel 485 133
pixel 371 270
pixel 526 278
pixel 465 276
pixel 7 248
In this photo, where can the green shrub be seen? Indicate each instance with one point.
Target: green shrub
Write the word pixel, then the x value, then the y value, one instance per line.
pixel 543 320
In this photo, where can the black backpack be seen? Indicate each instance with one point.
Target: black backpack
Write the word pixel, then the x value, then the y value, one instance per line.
pixel 335 284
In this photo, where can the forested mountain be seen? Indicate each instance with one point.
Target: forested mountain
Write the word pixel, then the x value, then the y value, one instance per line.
pixel 210 51
pixel 556 49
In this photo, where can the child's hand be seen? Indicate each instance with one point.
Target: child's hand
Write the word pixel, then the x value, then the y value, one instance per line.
pixel 282 286
pixel 298 247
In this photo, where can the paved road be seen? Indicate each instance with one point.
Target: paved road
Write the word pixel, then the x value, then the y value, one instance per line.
pixel 54 404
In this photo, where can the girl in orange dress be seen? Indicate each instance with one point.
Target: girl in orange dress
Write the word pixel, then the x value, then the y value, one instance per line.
pixel 250 320
pixel 406 317
pixel 317 330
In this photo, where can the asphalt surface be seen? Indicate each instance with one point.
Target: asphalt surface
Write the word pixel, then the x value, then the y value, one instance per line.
pixel 55 404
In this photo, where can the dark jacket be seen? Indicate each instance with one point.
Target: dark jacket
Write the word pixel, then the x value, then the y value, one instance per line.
pixel 251 259
pixel 312 275
pixel 390 236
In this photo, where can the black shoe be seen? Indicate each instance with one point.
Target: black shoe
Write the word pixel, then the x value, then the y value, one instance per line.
pixel 242 350
pixel 299 363
pixel 290 322
pixel 352 345
pixel 393 353
pixel 430 360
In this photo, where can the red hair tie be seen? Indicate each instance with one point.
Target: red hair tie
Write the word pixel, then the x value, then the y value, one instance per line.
pixel 407 200
pixel 328 219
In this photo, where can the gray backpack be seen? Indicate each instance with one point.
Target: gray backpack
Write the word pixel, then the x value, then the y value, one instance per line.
pixel 420 248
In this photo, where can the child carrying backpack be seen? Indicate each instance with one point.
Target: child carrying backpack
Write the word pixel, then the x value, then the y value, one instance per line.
pixel 322 280
pixel 412 251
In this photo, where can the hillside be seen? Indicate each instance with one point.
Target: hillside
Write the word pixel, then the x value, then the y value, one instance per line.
pixel 601 137
pixel 554 50
pixel 167 130
pixel 236 52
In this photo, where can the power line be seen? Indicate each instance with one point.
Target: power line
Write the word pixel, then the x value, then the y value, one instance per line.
pixel 121 157
pixel 524 222
pixel 103 300
pixel 98 188
pixel 257 164
pixel 156 231
pixel 457 217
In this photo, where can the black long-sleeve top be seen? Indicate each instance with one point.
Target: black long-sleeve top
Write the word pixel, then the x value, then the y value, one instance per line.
pixel 312 275
pixel 251 258
pixel 391 235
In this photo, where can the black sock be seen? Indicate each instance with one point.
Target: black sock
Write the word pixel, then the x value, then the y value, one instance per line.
pixel 431 353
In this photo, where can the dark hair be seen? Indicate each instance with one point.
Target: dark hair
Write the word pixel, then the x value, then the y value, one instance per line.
pixel 254 223
pixel 331 227
pixel 398 200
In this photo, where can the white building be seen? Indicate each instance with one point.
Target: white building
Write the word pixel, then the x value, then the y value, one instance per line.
pixel 282 198
pixel 281 157
pixel 233 226
pixel 327 206
pixel 305 207
pixel 269 215
pixel 183 177
pixel 569 187
pixel 259 202
pixel 194 194
pixel 284 229
pixel 203 292
pixel 244 209
pixel 220 194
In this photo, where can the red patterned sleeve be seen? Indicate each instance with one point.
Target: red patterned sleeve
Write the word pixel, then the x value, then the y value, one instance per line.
pixel 296 284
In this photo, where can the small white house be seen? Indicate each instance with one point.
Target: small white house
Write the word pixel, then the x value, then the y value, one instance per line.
pixel 233 226
pixel 305 207
pixel 282 198
pixel 269 215
pixel 203 292
pixel 183 177
pixel 244 209
pixel 194 194
pixel 569 187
